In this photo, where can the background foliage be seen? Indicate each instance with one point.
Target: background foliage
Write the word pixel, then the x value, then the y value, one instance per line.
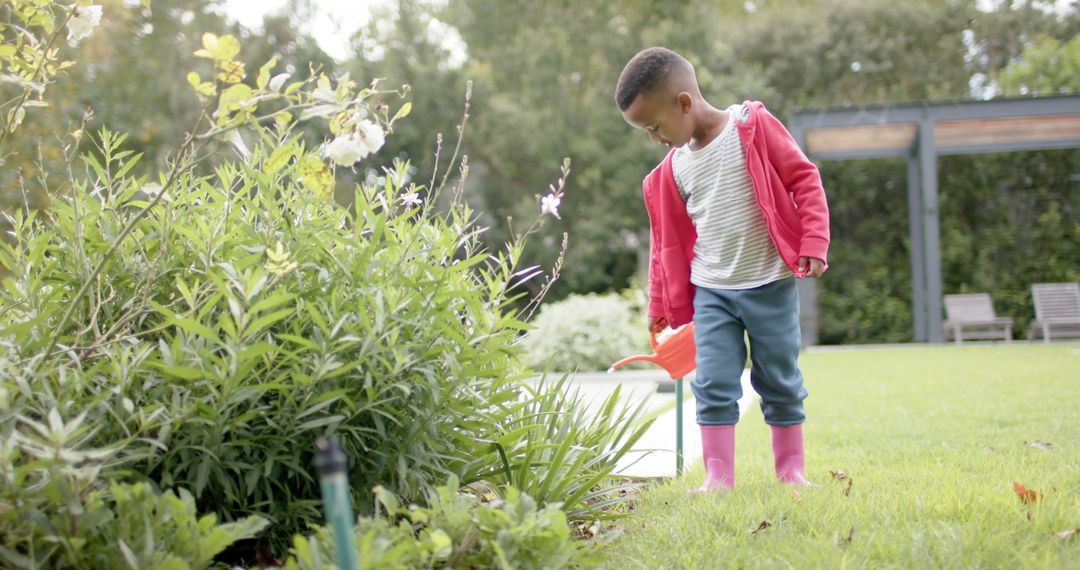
pixel 531 104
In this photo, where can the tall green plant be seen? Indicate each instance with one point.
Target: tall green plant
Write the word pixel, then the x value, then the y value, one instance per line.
pixel 555 449
pixel 252 316
pixel 209 327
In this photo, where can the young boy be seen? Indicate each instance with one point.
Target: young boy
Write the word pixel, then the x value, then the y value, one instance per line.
pixel 737 212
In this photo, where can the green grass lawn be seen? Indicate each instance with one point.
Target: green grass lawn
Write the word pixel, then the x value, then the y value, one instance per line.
pixel 932 440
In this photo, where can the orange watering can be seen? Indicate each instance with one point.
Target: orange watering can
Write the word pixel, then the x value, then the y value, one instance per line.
pixel 676 354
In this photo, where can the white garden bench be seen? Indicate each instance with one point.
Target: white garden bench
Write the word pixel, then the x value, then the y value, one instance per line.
pixel 1057 310
pixel 972 316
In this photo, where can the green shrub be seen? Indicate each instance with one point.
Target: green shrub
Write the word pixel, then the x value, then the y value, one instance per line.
pixel 242 325
pixel 586 332
pixel 220 378
pixel 454 530
pixel 206 327
pixel 55 512
pixel 239 325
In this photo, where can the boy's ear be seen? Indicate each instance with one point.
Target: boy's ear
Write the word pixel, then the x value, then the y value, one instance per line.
pixel 685 100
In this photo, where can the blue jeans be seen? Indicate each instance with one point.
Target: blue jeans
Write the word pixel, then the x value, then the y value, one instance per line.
pixel 769 315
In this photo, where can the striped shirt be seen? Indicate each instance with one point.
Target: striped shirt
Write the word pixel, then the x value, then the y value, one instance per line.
pixel 733 249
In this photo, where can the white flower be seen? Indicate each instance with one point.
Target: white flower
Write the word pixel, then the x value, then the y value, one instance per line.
pixel 550 205
pixel 371 134
pixel 411 199
pixel 83 22
pixel 346 149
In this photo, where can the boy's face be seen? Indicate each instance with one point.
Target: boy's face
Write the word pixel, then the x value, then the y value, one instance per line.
pixel 664 116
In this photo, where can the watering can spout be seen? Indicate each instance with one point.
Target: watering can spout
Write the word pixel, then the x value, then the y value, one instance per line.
pixel 676 354
pixel 629 359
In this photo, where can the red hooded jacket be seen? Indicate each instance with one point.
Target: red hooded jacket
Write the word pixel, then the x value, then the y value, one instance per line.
pixel 788 189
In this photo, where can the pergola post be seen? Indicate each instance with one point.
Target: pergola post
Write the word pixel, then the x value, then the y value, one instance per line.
pixel 917 248
pixel 921 132
pixel 931 229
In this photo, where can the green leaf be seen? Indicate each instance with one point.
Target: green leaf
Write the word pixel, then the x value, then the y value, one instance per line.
pixel 279 158
pixel 202 475
pixel 257 326
pixel 129 556
pixel 442 546
pixel 19 560
pixel 316 177
pixel 320 422
pixel 219 49
pixel 306 343
pixel 182 372
pixel 403 111
pixel 264 73
pixel 194 327
pixel 236 97
pixel 271 302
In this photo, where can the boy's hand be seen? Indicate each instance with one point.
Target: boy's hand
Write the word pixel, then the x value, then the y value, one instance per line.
pixel 811 267
pixel 657 324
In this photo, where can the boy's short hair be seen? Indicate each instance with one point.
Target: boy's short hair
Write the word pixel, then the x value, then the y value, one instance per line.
pixel 646 71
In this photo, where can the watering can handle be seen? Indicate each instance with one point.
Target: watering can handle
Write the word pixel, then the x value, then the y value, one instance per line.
pixel 652 339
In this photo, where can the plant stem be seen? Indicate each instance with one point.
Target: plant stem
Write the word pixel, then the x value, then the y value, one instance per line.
pixel 185 150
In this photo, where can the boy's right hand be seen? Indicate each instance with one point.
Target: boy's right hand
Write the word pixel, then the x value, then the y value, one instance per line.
pixel 657 324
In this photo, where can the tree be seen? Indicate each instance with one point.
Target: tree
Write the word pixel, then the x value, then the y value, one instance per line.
pixel 544 75
pixel 1048 67
pixel 132 77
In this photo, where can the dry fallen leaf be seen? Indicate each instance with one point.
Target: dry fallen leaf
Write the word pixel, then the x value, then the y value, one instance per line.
pixel 844 541
pixel 1027 496
pixel 1040 445
pixel 847 491
pixel 839 474
pixel 764 525
pixel 1067 534
pixel 795 494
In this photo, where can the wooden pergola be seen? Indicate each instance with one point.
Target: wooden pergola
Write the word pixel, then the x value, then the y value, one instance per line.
pixel 921 132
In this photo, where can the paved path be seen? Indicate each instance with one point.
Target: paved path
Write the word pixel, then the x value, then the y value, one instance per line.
pixel 656 449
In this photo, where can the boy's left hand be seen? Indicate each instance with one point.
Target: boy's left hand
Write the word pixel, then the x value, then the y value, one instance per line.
pixel 811 266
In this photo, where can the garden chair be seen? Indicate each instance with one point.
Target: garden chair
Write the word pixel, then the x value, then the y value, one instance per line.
pixel 972 316
pixel 1057 310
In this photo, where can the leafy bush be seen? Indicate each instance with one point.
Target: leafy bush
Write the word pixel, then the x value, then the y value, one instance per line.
pixel 56 513
pixel 206 327
pixel 248 315
pixel 454 530
pixel 587 332
pixel 242 326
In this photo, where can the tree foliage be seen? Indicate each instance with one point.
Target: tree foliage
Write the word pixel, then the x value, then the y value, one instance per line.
pixel 544 75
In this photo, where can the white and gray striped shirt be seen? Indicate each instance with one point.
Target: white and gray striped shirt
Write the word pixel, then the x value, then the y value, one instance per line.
pixel 733 249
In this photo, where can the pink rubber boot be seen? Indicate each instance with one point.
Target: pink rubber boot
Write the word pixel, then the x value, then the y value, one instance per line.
pixel 788 453
pixel 718 448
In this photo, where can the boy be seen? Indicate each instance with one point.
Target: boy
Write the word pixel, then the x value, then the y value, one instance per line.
pixel 737 212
